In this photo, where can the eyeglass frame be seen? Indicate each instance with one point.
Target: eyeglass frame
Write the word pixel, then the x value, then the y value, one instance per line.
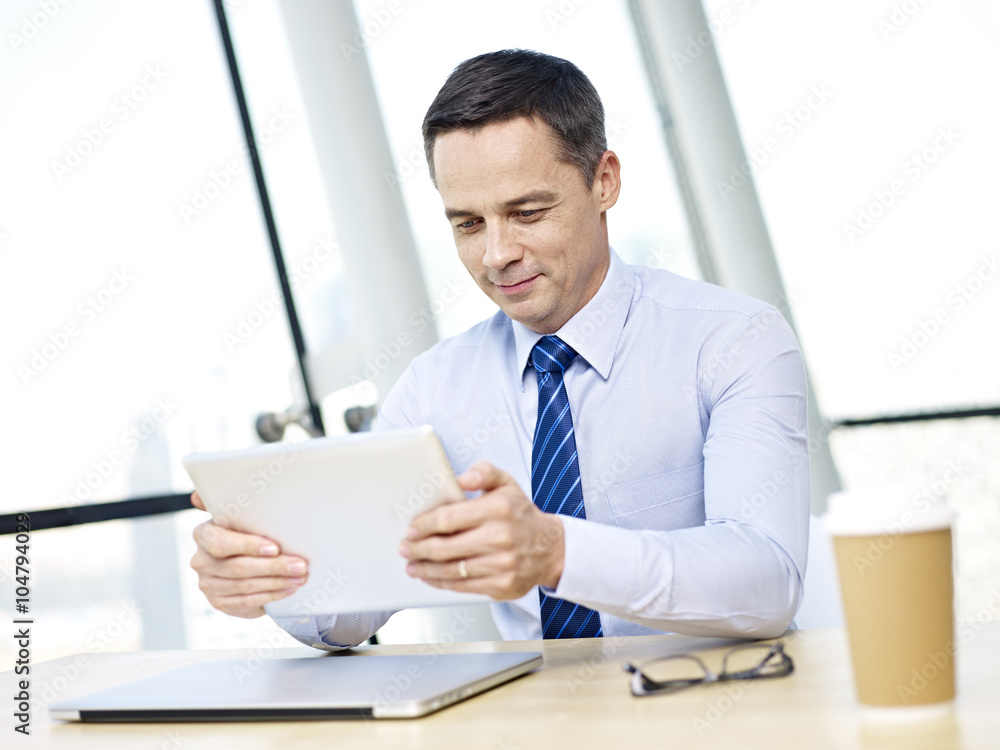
pixel 639 681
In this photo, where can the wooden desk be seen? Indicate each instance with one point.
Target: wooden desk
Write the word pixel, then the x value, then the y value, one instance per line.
pixel 580 699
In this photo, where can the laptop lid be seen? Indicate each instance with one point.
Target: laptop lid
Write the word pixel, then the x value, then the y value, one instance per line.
pixel 342 685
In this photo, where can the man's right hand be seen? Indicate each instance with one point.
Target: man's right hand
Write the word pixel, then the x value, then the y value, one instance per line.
pixel 240 573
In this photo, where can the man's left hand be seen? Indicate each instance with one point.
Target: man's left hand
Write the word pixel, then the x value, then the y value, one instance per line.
pixel 507 544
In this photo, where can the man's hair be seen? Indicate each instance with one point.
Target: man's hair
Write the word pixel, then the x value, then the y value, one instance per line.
pixel 511 83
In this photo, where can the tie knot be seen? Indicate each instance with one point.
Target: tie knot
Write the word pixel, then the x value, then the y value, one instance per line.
pixel 552 354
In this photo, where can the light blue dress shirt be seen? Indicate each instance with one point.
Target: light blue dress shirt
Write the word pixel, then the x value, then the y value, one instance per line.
pixel 689 407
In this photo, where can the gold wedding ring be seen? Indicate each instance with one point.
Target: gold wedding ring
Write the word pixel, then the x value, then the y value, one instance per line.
pixel 463 569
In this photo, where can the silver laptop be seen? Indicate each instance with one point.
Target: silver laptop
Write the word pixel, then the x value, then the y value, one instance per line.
pixel 342 685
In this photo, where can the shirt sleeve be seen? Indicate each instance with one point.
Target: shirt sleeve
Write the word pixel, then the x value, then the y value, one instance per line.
pixel 334 632
pixel 740 574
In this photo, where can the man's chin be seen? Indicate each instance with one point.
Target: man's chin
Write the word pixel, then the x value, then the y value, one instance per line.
pixel 530 315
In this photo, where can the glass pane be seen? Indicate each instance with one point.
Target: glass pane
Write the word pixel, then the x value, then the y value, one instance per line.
pixel 880 199
pixel 955 458
pixel 751 659
pixel 646 226
pixel 305 226
pixel 878 188
pixel 674 668
pixel 137 289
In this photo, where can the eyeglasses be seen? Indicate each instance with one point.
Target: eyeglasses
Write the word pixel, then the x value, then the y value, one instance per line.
pixel 748 661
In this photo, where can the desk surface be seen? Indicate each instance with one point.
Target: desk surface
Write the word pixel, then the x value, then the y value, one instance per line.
pixel 579 699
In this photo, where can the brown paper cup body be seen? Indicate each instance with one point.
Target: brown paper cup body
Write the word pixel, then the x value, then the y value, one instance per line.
pixel 897 592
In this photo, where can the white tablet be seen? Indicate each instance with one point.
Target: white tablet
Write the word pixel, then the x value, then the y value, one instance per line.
pixel 343 503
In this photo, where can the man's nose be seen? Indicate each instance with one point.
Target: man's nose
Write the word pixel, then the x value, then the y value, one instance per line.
pixel 501 248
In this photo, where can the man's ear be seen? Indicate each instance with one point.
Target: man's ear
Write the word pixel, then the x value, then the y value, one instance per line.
pixel 607 180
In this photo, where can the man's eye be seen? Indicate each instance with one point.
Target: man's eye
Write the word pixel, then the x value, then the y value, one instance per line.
pixel 467 224
pixel 527 214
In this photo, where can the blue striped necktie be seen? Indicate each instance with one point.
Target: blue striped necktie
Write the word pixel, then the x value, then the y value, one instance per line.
pixel 555 477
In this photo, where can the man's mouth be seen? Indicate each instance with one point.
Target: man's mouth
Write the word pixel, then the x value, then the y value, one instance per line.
pixel 518 287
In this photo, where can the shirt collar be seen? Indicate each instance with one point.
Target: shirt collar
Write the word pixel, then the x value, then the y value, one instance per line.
pixel 595 330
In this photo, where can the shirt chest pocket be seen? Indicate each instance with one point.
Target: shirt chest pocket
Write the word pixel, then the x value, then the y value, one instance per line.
pixel 673 500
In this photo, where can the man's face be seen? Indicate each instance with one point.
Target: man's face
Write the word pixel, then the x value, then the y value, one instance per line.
pixel 527 227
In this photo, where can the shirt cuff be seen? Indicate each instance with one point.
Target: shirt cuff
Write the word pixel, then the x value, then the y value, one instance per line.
pixel 333 632
pixel 601 566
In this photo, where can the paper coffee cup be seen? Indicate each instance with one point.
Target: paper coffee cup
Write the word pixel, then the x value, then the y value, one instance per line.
pixel 894 561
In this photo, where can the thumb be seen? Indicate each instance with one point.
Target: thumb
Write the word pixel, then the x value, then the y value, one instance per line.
pixel 196 500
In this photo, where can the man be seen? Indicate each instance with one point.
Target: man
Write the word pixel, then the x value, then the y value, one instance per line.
pixel 638 439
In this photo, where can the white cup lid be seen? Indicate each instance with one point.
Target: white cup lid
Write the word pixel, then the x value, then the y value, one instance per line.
pixel 896 509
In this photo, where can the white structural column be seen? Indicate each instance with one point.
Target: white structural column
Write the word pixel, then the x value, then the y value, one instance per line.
pixel 730 234
pixel 379 254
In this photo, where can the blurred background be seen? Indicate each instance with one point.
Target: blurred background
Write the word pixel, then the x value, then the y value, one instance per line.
pixel 143 317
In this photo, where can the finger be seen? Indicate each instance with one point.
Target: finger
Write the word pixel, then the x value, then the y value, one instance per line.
pixel 222 542
pixel 245 566
pixel 196 500
pixel 215 586
pixel 487 585
pixel 483 475
pixel 483 539
pixel 450 518
pixel 480 566
pixel 248 606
